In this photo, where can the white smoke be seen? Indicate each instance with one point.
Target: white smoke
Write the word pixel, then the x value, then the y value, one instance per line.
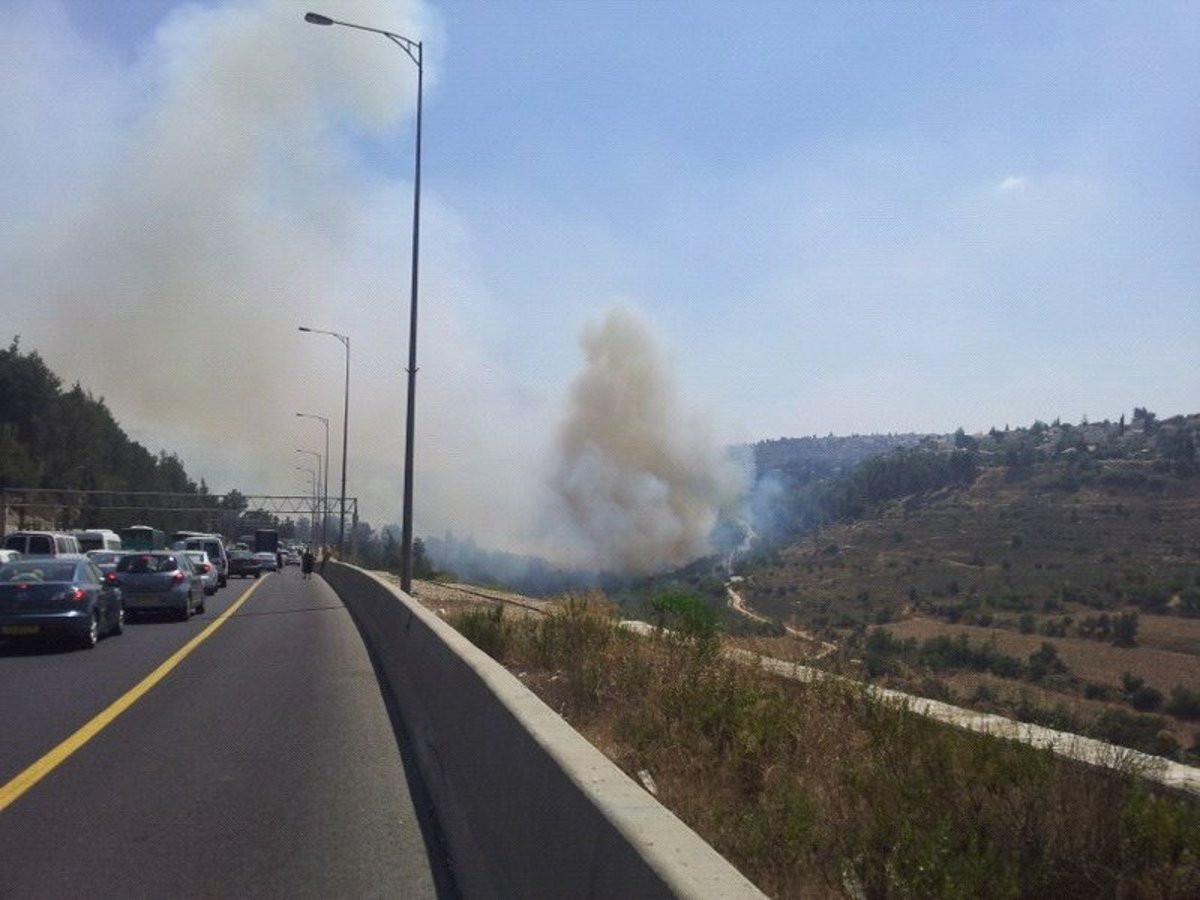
pixel 176 213
pixel 639 480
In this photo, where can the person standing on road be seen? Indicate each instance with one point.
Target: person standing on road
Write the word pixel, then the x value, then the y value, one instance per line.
pixel 306 562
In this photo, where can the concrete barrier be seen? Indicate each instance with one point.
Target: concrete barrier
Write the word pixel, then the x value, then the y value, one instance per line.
pixel 529 808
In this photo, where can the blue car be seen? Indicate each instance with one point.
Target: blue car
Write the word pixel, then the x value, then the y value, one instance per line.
pixel 52 597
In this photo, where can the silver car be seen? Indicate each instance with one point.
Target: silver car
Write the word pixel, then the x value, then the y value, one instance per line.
pixel 208 572
pixel 160 581
pixel 105 560
pixel 217 554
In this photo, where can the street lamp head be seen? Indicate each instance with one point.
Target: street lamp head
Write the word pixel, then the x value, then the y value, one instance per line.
pixel 317 19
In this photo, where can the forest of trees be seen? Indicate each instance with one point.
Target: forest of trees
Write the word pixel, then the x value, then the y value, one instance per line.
pixel 56 438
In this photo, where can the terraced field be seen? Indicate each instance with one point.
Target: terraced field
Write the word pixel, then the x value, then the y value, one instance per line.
pixel 1014 566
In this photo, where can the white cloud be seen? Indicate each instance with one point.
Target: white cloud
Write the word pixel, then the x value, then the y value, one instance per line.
pixel 1012 183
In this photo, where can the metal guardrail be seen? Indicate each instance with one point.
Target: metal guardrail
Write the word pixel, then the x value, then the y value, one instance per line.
pixel 53 504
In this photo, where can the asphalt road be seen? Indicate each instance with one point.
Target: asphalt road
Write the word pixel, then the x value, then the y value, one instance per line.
pixel 263 764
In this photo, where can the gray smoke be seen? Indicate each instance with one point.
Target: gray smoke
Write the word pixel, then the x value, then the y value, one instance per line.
pixel 195 202
pixel 639 480
pixel 177 211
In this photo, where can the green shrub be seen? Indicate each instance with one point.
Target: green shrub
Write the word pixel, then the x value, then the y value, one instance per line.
pixel 882 652
pixel 1139 732
pixel 1146 699
pixel 1094 691
pixel 1131 682
pixel 576 640
pixel 687 616
pixel 1184 703
pixel 1044 661
pixel 486 628
pixel 1125 628
pixel 984 693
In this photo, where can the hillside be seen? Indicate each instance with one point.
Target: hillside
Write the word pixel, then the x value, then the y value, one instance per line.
pixel 1061 583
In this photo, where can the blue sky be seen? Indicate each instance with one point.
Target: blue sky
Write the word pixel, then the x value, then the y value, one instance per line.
pixel 831 217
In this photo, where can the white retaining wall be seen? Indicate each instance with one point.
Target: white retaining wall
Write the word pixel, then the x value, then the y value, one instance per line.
pixel 529 808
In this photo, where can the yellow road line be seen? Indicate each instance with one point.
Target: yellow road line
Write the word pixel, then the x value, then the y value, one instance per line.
pixel 56 757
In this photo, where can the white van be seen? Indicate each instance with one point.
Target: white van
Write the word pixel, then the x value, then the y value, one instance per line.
pixel 215 548
pixel 98 539
pixel 43 543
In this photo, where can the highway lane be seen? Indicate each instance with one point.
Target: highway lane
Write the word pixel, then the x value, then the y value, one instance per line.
pixel 263 765
pixel 46 693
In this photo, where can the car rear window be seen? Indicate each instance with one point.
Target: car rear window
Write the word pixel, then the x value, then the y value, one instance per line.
pixel 140 564
pixel 34 571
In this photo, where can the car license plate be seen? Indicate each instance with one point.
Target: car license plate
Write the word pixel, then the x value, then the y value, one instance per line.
pixel 15 630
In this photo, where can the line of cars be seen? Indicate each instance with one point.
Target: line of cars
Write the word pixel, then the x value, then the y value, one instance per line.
pixel 61 593
pixel 248 564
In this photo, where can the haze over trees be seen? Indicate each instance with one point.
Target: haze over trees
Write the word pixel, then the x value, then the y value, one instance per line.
pixel 51 437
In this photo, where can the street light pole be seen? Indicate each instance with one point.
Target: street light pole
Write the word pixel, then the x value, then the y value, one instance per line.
pixel 345 339
pixel 415 52
pixel 324 491
pixel 312 478
pixel 316 492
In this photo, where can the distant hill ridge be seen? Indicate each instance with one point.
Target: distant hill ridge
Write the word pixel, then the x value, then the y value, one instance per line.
pixel 1143 437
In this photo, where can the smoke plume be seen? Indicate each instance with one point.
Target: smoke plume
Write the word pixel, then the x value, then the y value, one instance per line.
pixel 639 481
pixel 184 207
pixel 178 208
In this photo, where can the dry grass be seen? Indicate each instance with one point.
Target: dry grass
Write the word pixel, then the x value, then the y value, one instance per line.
pixel 1006 558
pixel 819 790
pixel 1090 660
pixel 1173 633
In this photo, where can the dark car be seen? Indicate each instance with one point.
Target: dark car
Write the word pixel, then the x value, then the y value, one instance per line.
pixel 243 564
pixel 48 597
pixel 160 581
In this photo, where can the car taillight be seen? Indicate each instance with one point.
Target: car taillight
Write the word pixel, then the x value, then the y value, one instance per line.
pixel 111 578
pixel 207 568
pixel 78 595
pixel 177 578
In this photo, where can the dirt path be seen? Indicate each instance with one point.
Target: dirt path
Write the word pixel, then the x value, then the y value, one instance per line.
pixel 738 604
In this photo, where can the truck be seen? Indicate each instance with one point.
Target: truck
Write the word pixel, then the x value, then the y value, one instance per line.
pixel 266 540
